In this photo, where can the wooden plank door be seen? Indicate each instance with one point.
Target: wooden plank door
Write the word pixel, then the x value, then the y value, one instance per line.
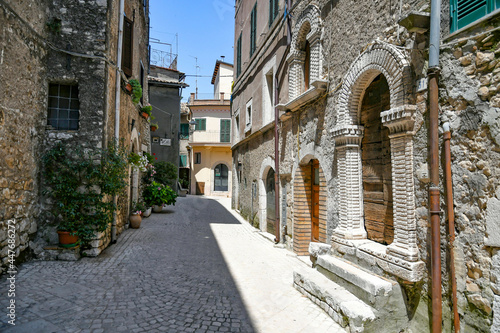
pixel 315 201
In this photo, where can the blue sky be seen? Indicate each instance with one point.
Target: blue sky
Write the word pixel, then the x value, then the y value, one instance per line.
pixel 205 30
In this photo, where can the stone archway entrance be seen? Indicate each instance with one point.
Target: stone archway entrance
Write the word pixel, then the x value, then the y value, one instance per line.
pixel 270 202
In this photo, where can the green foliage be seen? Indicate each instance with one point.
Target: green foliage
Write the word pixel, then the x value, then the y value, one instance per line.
pixel 159 194
pixel 134 158
pixel 155 125
pixel 147 109
pixel 54 25
pixel 166 173
pixel 80 184
pixel 184 183
pixel 136 90
pixel 138 207
pixel 150 157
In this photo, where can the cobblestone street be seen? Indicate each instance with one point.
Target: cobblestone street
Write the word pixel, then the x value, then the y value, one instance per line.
pixel 193 268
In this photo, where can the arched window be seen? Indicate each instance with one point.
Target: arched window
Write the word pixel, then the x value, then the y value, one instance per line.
pixel 307 65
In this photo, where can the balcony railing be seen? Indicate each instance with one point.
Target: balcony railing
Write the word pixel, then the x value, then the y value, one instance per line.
pixel 209 137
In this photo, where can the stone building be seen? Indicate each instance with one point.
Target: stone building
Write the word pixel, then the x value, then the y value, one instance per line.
pixel 260 42
pixel 354 156
pixel 165 94
pixel 58 69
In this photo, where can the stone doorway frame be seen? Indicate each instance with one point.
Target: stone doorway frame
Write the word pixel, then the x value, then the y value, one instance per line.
pixel 401 257
pixel 266 165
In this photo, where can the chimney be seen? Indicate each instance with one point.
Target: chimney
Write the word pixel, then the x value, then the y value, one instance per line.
pixel 222 96
pixel 191 99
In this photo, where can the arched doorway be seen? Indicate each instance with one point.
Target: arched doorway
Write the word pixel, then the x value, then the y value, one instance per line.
pixel 221 173
pixel 270 201
pixel 376 163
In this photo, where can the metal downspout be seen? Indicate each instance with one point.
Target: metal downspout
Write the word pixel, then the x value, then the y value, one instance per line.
pixel 434 197
pixel 117 105
pixel 451 222
pixel 276 162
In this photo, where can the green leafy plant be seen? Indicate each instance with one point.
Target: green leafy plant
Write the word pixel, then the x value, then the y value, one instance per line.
pixel 138 207
pixel 136 90
pixel 80 184
pixel 166 173
pixel 147 109
pixel 159 194
pixel 54 25
pixel 154 126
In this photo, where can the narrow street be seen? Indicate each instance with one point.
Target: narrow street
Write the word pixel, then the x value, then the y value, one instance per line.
pixel 193 268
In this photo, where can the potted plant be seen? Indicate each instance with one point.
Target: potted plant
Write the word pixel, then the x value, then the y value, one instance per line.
pixel 79 184
pixel 146 111
pixel 158 195
pixel 135 215
pixel 154 127
pixel 136 90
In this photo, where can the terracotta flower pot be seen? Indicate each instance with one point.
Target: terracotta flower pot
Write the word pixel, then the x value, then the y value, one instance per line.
pixel 135 221
pixel 145 115
pixel 66 239
pixel 157 209
pixel 128 88
pixel 153 128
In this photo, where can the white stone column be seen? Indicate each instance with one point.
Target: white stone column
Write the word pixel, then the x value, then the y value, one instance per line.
pixel 348 150
pixel 315 60
pixel 296 76
pixel 400 123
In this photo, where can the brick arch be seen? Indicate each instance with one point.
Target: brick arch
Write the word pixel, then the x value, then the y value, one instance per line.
pixel 302 206
pixel 379 58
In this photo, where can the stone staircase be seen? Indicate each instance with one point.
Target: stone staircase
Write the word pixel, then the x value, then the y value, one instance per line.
pixel 357 299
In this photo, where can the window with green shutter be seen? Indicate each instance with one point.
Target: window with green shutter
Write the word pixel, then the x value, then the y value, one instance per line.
pixel 225 130
pixel 253 29
pixel 273 10
pixel 184 132
pixel 465 12
pixel 201 124
pixel 238 57
pixel 183 161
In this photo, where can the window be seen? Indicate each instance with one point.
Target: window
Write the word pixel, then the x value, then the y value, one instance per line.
pixel 273 10
pixel 201 124
pixel 268 92
pixel 142 83
pixel 307 65
pixel 64 107
pixel 183 161
pixel 184 132
pixel 253 30
pixel 238 57
pixel 237 126
pixel 225 130
pixel 127 46
pixel 197 158
pixel 464 12
pixel 248 124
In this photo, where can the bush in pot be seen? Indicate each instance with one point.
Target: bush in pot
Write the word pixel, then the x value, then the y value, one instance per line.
pixel 156 194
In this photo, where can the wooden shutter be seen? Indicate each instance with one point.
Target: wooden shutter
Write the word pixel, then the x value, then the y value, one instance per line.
pixel 238 57
pixel 127 46
pixel 465 12
pixel 225 130
pixel 271 12
pixel 253 29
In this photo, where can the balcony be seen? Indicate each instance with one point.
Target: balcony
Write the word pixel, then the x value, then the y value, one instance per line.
pixel 210 137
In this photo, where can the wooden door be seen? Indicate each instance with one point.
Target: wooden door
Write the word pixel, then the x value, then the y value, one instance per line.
pixel 271 202
pixel 200 188
pixel 315 200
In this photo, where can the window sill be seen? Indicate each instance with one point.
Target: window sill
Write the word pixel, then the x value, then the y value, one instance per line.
pixel 318 88
pixel 458 33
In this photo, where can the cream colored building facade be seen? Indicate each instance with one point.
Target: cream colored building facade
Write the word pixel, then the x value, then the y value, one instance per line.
pixel 210 139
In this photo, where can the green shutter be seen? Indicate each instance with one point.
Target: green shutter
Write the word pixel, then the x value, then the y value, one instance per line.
pixel 183 161
pixel 271 7
pixel 225 130
pixel 465 12
pixel 201 124
pixel 184 132
pixel 253 30
pixel 238 57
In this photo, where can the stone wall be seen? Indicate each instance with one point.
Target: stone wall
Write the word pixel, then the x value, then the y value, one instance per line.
pixel 22 106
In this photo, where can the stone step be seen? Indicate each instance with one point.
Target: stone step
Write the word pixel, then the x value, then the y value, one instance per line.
pixel 345 308
pixel 371 288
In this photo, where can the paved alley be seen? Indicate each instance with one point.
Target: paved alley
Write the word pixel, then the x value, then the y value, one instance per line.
pixel 193 268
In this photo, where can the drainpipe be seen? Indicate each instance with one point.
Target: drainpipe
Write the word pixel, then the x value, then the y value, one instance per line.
pixel 117 104
pixel 451 222
pixel 434 198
